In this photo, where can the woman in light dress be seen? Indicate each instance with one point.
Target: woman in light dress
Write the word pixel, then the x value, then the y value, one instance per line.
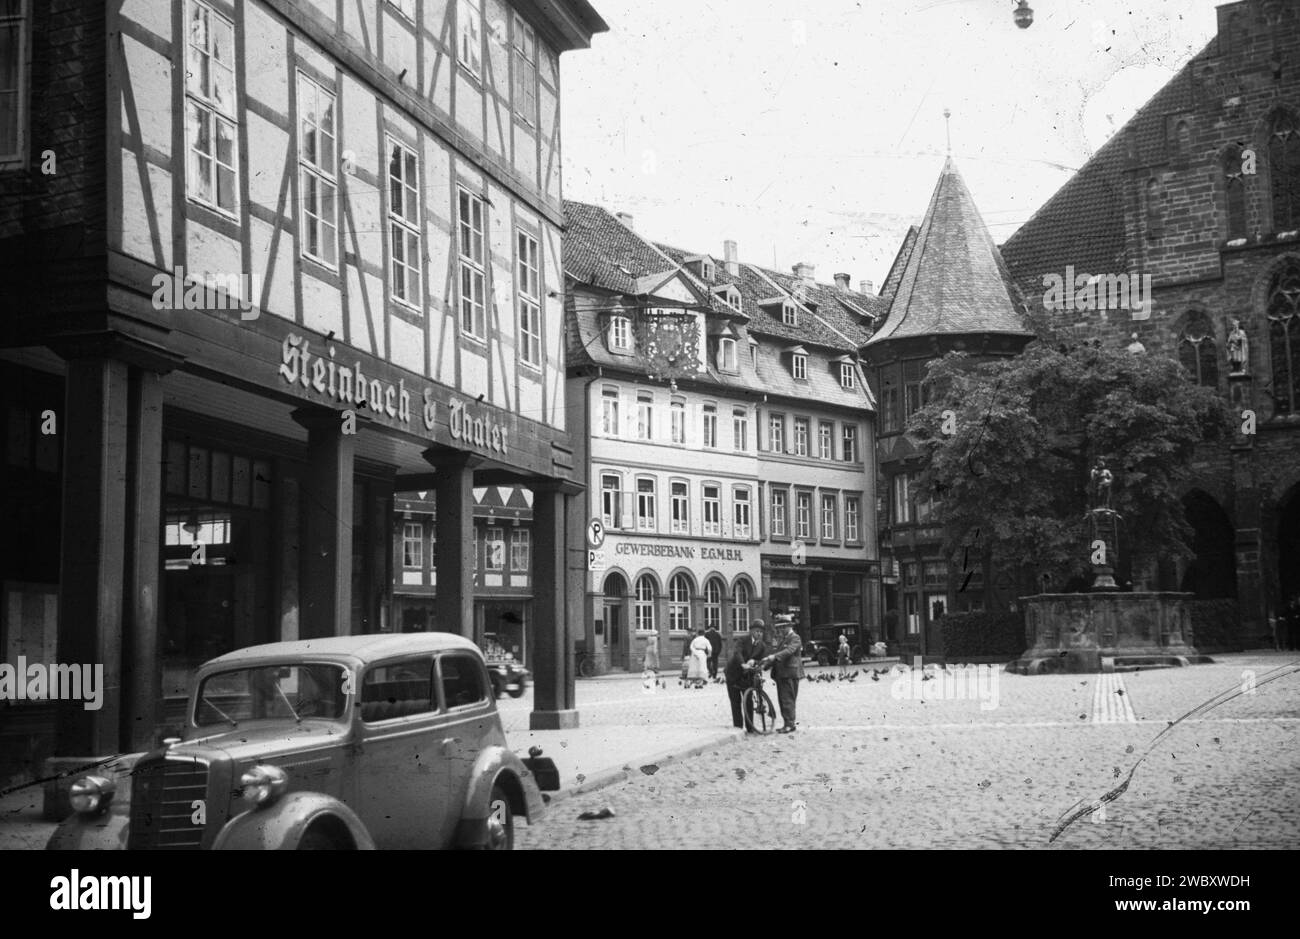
pixel 652 653
pixel 697 669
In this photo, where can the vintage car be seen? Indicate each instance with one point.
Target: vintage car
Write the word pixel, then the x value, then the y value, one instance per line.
pixel 356 742
pixel 508 677
pixel 822 642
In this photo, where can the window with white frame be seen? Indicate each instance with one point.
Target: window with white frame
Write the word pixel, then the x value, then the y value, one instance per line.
pixel 830 516
pixel 525 43
pixel 740 429
pixel 413 546
pixel 213 144
pixel 13 81
pixel 850 442
pixel 740 596
pixel 713 604
pixel 404 223
pixel 620 334
pixel 471 36
pixel 712 515
pixel 521 549
pixel 779 507
pixel 317 172
pixel 677 413
pixel 473 264
pixel 826 440
pixel 803 515
pixel 645 603
pixel 902 514
pixel 609 412
pixel 645 415
pixel 680 508
pixel 801 436
pixel 776 433
pixel 799 367
pixel 852 518
pixel 733 300
pixel 645 504
pixel 848 375
pixel 740 513
pixel 789 314
pixel 611 500
pixel 494 543
pixel 530 299
pixel 710 426
pixel 727 355
pixel 679 603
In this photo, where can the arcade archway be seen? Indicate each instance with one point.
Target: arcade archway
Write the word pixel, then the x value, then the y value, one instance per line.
pixel 1212 572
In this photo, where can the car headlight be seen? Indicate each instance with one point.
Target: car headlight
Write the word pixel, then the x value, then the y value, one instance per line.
pixel 90 794
pixel 264 784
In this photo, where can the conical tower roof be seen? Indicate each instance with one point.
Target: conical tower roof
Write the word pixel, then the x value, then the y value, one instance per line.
pixel 955 281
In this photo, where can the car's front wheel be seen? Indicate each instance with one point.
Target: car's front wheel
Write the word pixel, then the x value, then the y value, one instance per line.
pixel 316 840
pixel 500 822
pixel 823 657
pixel 517 689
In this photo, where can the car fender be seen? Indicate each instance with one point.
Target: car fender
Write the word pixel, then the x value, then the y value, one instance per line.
pixel 281 825
pixel 526 799
pixel 106 831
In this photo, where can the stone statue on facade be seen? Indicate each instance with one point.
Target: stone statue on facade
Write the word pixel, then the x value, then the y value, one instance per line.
pixel 1238 349
pixel 1101 478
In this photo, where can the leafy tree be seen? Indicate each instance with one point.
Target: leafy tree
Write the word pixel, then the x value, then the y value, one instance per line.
pixel 1012 476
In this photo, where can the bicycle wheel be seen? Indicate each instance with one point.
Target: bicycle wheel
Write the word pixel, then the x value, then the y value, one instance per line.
pixel 760 713
pixel 587 666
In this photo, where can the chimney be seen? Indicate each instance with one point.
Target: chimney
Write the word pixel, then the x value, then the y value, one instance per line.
pixel 867 287
pixel 805 273
pixel 731 255
pixel 842 282
pixel 627 219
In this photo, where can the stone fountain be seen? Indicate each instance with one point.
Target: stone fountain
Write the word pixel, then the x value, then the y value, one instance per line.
pixel 1106 629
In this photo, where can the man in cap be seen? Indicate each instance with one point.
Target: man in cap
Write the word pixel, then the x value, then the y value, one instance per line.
pixel 786 663
pixel 747 652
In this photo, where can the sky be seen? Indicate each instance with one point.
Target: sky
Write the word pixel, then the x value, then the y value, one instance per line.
pixel 814 132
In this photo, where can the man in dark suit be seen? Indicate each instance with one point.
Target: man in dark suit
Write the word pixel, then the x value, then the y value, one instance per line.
pixel 786 663
pixel 749 650
pixel 715 642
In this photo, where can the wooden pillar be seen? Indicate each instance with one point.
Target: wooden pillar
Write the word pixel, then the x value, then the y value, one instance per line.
pixel 142 666
pixel 554 702
pixel 326 586
pixel 92 559
pixel 453 550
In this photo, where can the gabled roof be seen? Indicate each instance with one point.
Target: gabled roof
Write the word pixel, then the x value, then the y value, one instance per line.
pixel 955 281
pixel 1083 223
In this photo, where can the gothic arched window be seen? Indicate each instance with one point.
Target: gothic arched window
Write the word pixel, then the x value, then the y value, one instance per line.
pixel 1284 338
pixel 1196 349
pixel 1234 193
pixel 1284 171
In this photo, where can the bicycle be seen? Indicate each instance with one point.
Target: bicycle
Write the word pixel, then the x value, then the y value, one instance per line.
pixel 760 713
pixel 587 664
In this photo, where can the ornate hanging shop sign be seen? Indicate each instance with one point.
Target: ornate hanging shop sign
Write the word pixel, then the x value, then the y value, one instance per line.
pixel 468 425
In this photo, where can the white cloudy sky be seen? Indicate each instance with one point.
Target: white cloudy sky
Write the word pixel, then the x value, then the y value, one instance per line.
pixel 815 131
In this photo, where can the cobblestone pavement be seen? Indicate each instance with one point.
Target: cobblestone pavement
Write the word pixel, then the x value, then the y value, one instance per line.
pixel 902 763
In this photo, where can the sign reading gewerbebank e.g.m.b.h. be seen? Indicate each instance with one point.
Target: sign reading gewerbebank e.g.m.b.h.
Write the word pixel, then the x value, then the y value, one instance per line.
pixel 470 426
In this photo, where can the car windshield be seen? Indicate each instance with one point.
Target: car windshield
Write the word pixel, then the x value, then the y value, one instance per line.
pixel 272 692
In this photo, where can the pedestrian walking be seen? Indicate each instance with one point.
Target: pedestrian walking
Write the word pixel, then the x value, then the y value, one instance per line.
pixel 697 668
pixel 842 654
pixel 739 672
pixel 786 664
pixel 651 663
pixel 715 643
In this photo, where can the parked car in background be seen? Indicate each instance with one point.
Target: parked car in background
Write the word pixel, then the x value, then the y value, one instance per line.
pixel 822 642
pixel 354 742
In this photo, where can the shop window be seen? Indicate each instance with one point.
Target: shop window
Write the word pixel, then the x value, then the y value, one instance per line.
pixel 679 603
pixel 645 603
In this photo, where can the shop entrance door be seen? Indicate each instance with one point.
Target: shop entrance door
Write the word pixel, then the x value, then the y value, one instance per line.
pixel 615 634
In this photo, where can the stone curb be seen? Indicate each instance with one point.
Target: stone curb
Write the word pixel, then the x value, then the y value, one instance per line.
pixel 610 777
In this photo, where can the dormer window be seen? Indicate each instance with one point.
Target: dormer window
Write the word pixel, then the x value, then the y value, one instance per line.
pixel 799 367
pixel 706 270
pixel 848 378
pixel 727 355
pixel 728 295
pixel 789 314
pixel 620 334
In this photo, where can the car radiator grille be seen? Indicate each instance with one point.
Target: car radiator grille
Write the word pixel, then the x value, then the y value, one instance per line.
pixel 163 794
